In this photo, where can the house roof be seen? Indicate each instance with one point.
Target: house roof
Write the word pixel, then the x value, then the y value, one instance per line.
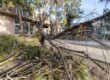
pixel 13 15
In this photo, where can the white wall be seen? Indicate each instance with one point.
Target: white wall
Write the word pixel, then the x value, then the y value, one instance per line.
pixel 7 25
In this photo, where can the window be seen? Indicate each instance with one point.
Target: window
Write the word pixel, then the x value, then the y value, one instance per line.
pixel 1 3
pixel 25 27
pixel 17 28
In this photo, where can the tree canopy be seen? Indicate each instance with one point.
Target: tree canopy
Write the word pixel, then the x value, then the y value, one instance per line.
pixel 59 10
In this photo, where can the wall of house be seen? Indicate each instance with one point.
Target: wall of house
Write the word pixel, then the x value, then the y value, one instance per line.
pixel 7 25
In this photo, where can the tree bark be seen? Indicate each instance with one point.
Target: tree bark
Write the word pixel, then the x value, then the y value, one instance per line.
pixel 20 19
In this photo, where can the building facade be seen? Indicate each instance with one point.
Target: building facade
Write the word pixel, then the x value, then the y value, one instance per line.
pixel 9 20
pixel 7 24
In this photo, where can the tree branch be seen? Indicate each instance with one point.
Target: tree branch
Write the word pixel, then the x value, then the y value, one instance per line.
pixel 84 23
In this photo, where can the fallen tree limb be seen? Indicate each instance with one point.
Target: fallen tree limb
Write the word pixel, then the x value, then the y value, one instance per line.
pixel 96 40
pixel 69 77
pixel 82 54
pixel 83 23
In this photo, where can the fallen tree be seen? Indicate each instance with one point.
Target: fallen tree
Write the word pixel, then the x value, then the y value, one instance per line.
pixel 82 24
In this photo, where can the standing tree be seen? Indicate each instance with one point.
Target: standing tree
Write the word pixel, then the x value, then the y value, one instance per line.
pixel 60 12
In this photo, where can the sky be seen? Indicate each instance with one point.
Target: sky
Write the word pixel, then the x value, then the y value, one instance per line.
pixel 89 6
pixel 93 5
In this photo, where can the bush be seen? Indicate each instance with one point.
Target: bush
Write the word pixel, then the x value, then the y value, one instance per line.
pixel 29 46
pixel 49 60
pixel 6 43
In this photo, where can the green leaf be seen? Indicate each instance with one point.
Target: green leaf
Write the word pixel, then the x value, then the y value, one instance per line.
pixel 37 1
pixel 39 77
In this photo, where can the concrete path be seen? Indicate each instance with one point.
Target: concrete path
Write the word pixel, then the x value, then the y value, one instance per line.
pixel 93 49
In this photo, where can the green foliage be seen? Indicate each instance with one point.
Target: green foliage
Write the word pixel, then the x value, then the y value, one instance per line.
pixel 69 17
pixel 45 58
pixel 30 47
pixel 31 9
pixel 56 77
pixel 82 72
pixel 39 77
pixel 32 51
pixel 6 43
pixel 19 4
pixel 9 3
pixel 37 1
pixel 66 7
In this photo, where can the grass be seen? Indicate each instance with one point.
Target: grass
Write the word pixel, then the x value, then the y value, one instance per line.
pixel 6 45
pixel 28 41
pixel 31 49
pixel 9 43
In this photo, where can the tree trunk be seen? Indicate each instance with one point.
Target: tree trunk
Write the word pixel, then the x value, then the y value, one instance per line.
pixel 40 28
pixel 51 30
pixel 57 28
pixel 20 19
pixel 29 29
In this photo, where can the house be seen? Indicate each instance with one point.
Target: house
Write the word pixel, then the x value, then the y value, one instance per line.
pixel 10 23
pixel 9 20
pixel 102 29
pixel 7 24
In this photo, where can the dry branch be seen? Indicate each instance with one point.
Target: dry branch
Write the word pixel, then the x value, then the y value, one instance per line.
pixel 82 54
pixel 84 23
